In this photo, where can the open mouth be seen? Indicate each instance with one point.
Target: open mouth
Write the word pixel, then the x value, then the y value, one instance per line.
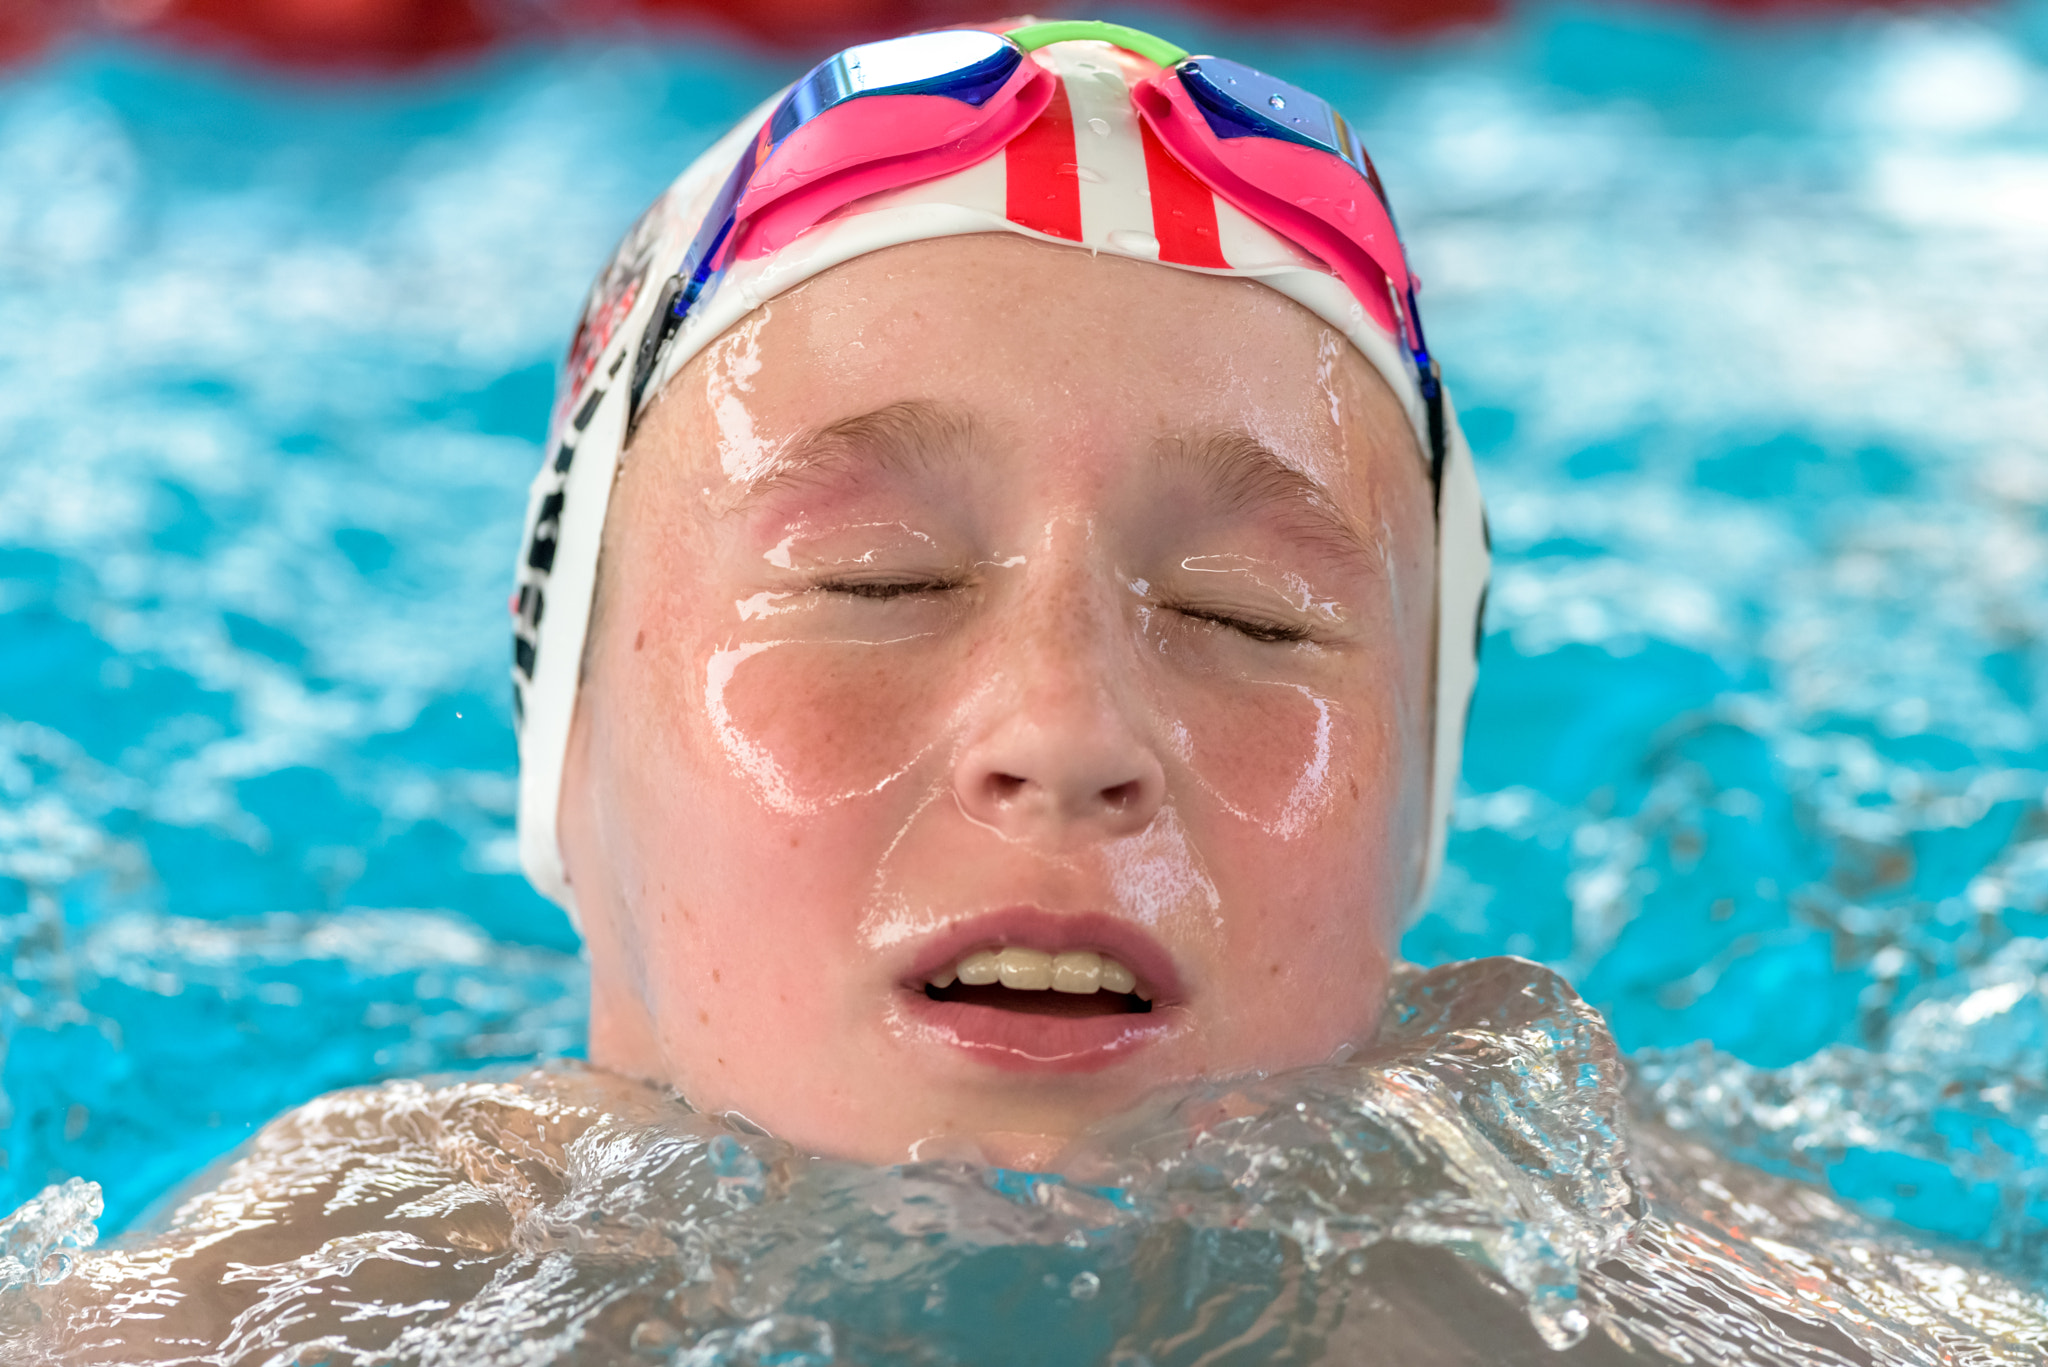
pixel 1026 990
pixel 1076 983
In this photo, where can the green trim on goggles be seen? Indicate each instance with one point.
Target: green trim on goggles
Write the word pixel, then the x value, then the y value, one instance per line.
pixel 1153 49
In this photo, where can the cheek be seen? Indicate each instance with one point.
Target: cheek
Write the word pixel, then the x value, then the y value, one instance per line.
pixel 1308 799
pixel 802 726
pixel 1266 758
pixel 1305 803
pixel 1288 759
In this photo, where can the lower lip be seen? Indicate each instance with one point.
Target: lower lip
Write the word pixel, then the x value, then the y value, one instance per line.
pixel 1023 1042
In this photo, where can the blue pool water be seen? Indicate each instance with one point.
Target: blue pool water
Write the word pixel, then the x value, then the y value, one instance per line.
pixel 1747 323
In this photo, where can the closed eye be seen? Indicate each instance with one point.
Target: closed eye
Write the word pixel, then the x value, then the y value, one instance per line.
pixel 884 589
pixel 1257 629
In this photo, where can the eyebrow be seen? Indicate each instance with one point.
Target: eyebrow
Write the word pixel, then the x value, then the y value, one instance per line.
pixel 912 437
pixel 920 437
pixel 1246 476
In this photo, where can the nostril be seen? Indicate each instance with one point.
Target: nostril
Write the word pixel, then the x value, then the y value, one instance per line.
pixel 1123 795
pixel 1004 787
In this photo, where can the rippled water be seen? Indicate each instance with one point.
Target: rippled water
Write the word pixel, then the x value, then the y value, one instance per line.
pixel 1360 1211
pixel 1747 322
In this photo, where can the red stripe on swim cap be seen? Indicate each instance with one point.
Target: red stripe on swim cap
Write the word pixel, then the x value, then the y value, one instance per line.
pixel 1183 209
pixel 1044 193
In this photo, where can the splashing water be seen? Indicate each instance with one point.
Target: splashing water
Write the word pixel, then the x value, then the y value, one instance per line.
pixel 1745 324
pixel 1944 1126
pixel 1348 1210
pixel 42 1238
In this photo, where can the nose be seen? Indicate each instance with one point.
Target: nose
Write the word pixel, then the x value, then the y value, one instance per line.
pixel 1057 753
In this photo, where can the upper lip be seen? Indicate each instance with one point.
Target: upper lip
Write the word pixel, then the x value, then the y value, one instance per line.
pixel 1054 933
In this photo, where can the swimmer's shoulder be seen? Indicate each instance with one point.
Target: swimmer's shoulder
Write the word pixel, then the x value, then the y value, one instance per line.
pixel 421 1183
pixel 1733 1263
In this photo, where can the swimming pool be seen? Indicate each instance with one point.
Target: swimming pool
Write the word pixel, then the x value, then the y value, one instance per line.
pixel 1746 322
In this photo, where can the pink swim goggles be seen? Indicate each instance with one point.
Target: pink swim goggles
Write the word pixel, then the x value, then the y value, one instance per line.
pixel 888 114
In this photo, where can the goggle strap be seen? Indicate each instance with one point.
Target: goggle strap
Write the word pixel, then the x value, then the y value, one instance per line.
pixel 660 329
pixel 1429 379
pixel 1439 438
pixel 1414 315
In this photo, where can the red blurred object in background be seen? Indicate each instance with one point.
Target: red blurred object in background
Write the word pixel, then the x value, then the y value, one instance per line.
pixel 318 32
pixel 356 34
pixel 785 21
pixel 24 26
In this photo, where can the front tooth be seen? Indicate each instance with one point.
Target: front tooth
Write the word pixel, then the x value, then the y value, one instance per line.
pixel 978 969
pixel 1025 970
pixel 1115 977
pixel 1078 972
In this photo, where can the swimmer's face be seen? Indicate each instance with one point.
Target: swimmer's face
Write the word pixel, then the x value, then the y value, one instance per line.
pixel 986 596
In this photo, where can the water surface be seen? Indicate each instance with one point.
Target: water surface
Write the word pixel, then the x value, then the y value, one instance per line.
pixel 1747 325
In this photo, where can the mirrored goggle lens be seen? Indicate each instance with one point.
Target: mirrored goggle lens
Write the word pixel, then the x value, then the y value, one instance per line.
pixel 967 64
pixel 1240 102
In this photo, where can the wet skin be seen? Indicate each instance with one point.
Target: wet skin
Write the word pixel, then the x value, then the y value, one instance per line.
pixel 986 593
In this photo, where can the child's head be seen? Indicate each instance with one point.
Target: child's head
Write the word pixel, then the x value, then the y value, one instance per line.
pixel 977 606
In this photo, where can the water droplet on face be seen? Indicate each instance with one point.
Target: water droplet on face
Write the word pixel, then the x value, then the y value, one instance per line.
pixel 1134 242
pixel 1099 127
pixel 1276 102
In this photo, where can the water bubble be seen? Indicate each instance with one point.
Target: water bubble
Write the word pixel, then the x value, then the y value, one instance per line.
pixel 785 1340
pixel 1561 1327
pixel 1099 127
pixel 655 1338
pixel 1276 102
pixel 1134 242
pixel 1084 1286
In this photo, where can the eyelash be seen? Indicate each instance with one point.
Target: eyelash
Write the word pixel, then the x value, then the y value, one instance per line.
pixel 887 589
pixel 1270 632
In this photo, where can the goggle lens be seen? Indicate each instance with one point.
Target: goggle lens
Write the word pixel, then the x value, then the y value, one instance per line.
pixel 967 64
pixel 1239 101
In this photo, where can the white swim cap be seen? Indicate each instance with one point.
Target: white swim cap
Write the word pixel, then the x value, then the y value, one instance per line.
pixel 1110 189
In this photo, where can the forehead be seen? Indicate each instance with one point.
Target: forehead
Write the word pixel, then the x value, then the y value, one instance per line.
pixel 970 309
pixel 1072 348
